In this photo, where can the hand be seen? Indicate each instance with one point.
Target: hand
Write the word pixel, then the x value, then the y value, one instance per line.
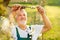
pixel 41 10
pixel 15 8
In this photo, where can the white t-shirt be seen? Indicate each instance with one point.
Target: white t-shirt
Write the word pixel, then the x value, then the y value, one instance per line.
pixel 35 31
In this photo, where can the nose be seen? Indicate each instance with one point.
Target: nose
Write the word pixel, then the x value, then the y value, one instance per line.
pixel 22 17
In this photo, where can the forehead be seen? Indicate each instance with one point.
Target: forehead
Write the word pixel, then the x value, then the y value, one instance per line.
pixel 21 12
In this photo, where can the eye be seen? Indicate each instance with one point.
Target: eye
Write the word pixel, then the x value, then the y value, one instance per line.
pixel 23 14
pixel 19 15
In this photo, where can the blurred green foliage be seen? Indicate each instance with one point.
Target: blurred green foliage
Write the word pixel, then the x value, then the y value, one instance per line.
pixel 53 2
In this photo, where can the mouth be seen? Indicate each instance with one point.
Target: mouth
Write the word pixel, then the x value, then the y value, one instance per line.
pixel 22 22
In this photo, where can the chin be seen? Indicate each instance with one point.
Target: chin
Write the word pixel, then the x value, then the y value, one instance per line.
pixel 22 22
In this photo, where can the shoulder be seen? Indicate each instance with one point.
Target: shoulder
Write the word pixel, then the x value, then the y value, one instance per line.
pixel 37 26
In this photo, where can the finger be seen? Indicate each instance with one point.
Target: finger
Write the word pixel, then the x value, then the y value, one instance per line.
pixel 15 7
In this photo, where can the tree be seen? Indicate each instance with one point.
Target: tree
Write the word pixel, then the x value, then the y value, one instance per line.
pixel 3 6
pixel 43 2
pixel 3 9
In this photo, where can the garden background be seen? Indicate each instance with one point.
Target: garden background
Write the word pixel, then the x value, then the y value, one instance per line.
pixel 52 8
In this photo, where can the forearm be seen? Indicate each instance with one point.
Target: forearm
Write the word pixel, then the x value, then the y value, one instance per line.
pixel 47 23
pixel 11 18
pixel 46 20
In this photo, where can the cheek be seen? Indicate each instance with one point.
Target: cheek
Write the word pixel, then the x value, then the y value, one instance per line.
pixel 25 18
pixel 18 18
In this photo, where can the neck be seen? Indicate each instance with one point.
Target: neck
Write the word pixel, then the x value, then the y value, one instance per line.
pixel 23 27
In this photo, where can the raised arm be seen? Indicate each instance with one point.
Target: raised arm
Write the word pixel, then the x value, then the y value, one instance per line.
pixel 13 13
pixel 47 23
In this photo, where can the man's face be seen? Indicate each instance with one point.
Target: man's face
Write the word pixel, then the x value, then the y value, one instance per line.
pixel 21 17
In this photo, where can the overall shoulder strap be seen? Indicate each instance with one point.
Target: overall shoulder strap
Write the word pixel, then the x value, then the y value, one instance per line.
pixel 18 36
pixel 29 36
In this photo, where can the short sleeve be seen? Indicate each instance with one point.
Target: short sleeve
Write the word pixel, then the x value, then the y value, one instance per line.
pixel 36 31
pixel 37 28
pixel 13 33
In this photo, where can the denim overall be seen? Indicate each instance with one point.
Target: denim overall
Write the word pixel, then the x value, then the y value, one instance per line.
pixel 19 38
